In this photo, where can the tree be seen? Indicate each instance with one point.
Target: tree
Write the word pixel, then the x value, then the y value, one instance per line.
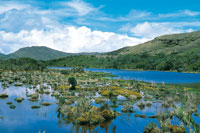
pixel 72 81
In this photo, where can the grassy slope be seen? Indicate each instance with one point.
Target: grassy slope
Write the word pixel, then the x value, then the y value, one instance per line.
pixel 2 56
pixel 167 44
pixel 178 52
pixel 38 53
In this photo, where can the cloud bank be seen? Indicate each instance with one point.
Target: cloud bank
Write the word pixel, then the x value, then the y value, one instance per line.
pixel 78 26
pixel 68 39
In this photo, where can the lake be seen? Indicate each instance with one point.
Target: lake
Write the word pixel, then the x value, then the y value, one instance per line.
pixel 24 119
pixel 149 76
pixel 46 118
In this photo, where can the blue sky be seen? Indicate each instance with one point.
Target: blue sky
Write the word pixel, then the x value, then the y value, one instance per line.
pixel 92 25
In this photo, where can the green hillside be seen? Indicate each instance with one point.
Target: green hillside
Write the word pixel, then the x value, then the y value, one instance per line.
pixel 38 53
pixel 21 64
pixel 2 56
pixel 178 52
pixel 167 44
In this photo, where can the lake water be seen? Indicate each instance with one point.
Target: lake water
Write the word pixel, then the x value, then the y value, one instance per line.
pixel 149 76
pixel 24 119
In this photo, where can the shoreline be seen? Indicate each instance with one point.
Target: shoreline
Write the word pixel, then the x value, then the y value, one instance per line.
pixel 131 69
pixel 146 81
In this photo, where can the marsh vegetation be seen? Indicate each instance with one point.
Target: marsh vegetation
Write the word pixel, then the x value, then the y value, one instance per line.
pixel 88 101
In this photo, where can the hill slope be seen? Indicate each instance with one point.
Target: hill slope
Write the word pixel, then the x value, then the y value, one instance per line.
pixel 38 53
pixel 2 56
pixel 21 64
pixel 167 44
pixel 177 52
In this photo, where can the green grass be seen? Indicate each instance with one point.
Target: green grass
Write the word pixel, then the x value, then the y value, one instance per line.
pixel 178 52
pixel 2 56
pixel 167 44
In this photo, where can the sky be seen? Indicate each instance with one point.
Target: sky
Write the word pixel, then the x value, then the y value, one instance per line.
pixel 92 25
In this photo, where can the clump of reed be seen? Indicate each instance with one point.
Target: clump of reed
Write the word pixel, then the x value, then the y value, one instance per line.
pixel 85 114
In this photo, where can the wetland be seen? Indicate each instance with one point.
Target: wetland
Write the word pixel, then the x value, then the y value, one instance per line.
pixel 78 100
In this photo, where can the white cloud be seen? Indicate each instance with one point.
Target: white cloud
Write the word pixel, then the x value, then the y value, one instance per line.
pixel 80 7
pixel 27 19
pixel 135 14
pixel 24 25
pixel 154 29
pixel 68 39
pixel 126 27
pixel 131 16
pixel 6 6
pixel 182 13
pixel 191 13
pixel 185 24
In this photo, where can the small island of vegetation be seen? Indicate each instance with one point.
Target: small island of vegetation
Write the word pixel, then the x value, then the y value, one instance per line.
pixel 89 99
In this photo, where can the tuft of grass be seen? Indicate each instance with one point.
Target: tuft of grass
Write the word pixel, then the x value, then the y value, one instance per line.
pixel 35 106
pixel 45 103
pixel 9 103
pixel 19 99
pixel 12 106
pixel 3 95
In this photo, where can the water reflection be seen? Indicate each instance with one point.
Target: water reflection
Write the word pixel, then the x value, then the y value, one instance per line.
pixel 25 119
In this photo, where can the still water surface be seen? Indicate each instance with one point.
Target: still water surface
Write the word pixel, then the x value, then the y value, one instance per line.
pixel 149 76
pixel 24 119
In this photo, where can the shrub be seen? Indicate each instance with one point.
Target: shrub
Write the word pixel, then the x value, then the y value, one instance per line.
pixel 72 81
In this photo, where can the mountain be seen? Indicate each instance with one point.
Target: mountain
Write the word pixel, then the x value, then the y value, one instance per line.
pixel 87 53
pixel 167 44
pixel 38 53
pixel 177 52
pixel 2 56
pixel 41 53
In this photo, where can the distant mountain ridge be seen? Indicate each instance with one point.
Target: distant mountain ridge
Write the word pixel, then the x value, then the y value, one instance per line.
pixel 176 52
pixel 38 53
pixel 174 44
pixel 2 56
pixel 167 44
pixel 41 53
